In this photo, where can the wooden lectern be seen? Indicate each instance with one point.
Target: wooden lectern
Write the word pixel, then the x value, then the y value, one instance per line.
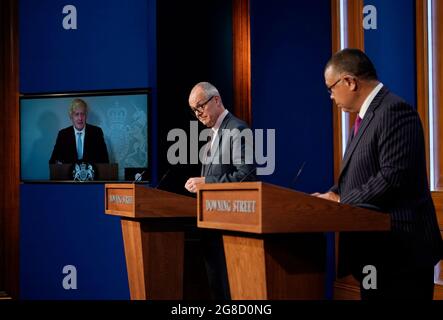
pixel 153 225
pixel 274 237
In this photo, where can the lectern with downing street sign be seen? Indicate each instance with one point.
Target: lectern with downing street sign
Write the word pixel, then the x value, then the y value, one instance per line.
pixel 274 237
pixel 154 223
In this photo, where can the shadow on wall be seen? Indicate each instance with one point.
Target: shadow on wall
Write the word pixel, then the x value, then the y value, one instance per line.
pixel 42 147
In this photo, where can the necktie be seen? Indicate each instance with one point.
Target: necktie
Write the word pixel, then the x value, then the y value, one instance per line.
pixel 209 146
pixel 207 154
pixel 79 146
pixel 357 125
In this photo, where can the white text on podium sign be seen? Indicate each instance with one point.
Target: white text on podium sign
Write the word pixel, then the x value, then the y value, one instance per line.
pixel 241 206
pixel 120 200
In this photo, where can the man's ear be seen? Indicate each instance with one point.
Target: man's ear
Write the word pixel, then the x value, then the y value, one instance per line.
pixel 351 82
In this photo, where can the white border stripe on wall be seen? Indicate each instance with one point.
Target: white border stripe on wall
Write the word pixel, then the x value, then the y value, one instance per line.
pixel 431 93
pixel 344 44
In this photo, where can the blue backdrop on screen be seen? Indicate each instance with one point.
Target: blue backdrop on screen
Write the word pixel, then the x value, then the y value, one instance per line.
pixel 391 46
pixel 108 50
pixel 123 119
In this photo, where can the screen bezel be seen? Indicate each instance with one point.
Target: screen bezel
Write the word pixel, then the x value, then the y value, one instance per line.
pixel 91 93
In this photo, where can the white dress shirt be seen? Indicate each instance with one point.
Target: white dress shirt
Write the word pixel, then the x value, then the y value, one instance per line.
pixel 369 99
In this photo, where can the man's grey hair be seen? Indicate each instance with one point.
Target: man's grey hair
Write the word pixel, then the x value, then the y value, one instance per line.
pixel 209 89
pixel 77 103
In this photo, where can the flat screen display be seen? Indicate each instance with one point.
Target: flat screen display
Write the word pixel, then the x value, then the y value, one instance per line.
pixel 122 116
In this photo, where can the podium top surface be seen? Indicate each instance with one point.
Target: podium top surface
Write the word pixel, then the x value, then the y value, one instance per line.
pixel 262 208
pixel 140 201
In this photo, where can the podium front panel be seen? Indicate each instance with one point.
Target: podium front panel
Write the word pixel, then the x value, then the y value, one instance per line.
pixel 138 201
pixel 262 208
pixel 231 208
pixel 119 199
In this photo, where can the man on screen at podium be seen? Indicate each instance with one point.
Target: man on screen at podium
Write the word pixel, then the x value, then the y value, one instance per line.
pixel 81 141
pixel 207 106
pixel 383 168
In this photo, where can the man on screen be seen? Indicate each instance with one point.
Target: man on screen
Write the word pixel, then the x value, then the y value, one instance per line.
pixel 80 142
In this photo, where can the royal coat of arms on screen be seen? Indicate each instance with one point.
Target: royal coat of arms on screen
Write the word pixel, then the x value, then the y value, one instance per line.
pixel 83 172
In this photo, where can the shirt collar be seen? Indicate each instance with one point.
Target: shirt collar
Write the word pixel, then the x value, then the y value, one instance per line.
pixel 219 121
pixel 369 99
pixel 77 131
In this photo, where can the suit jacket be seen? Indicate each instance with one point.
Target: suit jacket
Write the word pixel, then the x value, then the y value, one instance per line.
pixel 385 166
pixel 231 158
pixel 94 149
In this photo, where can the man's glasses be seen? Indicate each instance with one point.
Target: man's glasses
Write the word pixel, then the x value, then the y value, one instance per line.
pixel 333 85
pixel 200 107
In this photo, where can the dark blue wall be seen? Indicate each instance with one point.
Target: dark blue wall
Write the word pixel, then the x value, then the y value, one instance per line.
pixel 290 44
pixel 109 50
pixel 65 224
pixel 392 46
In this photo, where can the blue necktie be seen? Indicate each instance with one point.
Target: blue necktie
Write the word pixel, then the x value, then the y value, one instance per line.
pixel 79 146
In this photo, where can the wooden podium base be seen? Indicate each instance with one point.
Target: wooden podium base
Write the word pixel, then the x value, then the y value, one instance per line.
pixel 162 244
pixel 288 266
pixel 274 237
pixel 155 260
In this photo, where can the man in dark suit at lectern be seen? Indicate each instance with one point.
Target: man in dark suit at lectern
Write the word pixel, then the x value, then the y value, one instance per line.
pixel 384 167
pixel 81 141
pixel 227 158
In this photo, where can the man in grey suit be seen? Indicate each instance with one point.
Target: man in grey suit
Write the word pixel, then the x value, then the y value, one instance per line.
pixel 384 167
pixel 227 157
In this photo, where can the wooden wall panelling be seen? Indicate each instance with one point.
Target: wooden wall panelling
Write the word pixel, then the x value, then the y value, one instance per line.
pixel 241 39
pixel 9 146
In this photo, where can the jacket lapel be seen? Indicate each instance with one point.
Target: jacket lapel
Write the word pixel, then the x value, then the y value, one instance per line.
pixel 86 143
pixel 207 162
pixel 216 145
pixel 354 142
pixel 364 125
pixel 73 145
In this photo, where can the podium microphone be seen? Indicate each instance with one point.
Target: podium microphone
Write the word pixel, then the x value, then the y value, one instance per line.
pixel 163 178
pixel 138 176
pixel 298 174
pixel 249 173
